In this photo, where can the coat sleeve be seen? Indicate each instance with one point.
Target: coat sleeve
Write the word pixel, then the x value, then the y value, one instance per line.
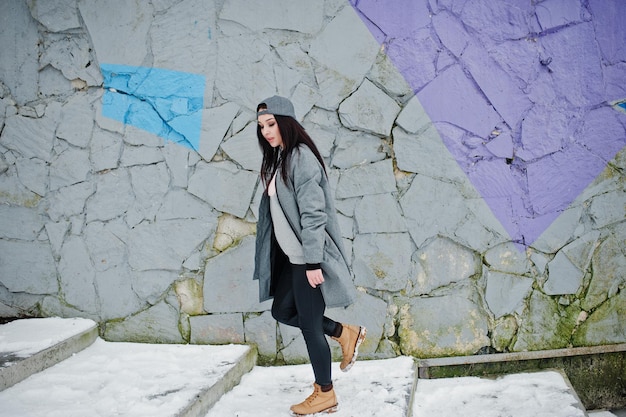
pixel 308 175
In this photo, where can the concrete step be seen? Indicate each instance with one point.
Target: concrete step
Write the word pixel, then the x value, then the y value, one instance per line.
pixel 595 372
pixel 539 393
pixel 390 388
pixel 373 388
pixel 134 379
pixel 122 379
pixel 29 346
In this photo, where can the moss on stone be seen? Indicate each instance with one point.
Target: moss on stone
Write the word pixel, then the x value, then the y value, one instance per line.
pixel 503 333
pixel 605 325
pixel 190 297
pixel 230 231
pixel 31 202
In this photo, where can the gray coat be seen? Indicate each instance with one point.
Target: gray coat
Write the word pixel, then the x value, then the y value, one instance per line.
pixel 308 205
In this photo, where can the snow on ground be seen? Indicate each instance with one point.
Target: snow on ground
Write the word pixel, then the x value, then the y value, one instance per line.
pixel 535 394
pixel 121 379
pixel 371 388
pixel 24 337
pixel 137 380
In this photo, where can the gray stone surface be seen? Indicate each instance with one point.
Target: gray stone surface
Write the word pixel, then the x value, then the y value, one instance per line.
pixel 178 163
pixel 245 57
pixel 346 224
pixel 215 123
pixel 102 219
pixel 503 333
pixel 507 258
pixel 165 244
pixel 151 285
pixel 27 267
pixel 369 109
pixel 112 198
pixel 30 138
pixel 385 75
pixel 261 329
pixel 34 174
pixel 25 224
pixel 346 62
pixel 215 182
pixel 375 178
pixel 564 276
pixel 430 207
pixel 107 243
pixel 19 38
pixel 228 284
pixel 157 324
pixel 119 24
pixel 442 262
pixel 414 153
pixel 72 200
pixel 217 329
pixel 566 226
pixel 180 204
pixel 57 16
pixel 505 293
pixel 307 18
pixel 325 140
pixel 69 168
pixel 140 155
pixel 355 148
pixel 438 326
pixel 77 276
pixel 378 213
pixel 605 326
pixel 115 293
pixel 73 58
pixel 608 262
pixel 172 26
pixel 382 261
pixel 413 117
pixel 608 208
pixel 542 326
pixel 105 150
pixel 150 183
pixel 243 148
pixel 354 55
pixel 56 232
pixel 77 120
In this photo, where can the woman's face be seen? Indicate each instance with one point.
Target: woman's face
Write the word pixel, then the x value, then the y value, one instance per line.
pixel 269 130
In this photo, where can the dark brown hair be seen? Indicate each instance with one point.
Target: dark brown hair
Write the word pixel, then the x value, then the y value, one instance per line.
pixel 293 134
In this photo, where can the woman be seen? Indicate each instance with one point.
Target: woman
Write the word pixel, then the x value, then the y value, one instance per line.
pixel 300 260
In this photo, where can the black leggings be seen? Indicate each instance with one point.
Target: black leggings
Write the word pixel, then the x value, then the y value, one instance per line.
pixel 298 304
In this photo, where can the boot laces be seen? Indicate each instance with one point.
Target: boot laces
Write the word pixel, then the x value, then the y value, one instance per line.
pixel 312 397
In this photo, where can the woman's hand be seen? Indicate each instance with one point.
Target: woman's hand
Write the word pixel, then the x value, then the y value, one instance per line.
pixel 315 277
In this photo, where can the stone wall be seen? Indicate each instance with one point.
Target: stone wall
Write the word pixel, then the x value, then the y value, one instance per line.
pixel 475 149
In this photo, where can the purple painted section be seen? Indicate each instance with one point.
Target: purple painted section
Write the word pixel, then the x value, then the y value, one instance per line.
pixel 519 91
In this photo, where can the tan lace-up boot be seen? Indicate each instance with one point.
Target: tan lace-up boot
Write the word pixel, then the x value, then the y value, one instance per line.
pixel 350 340
pixel 318 402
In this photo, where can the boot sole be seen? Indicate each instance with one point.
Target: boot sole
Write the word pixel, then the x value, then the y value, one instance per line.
pixel 329 410
pixel 359 340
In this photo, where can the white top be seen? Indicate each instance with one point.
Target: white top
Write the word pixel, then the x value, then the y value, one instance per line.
pixel 285 235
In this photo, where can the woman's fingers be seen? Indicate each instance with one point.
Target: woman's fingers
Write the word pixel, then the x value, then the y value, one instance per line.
pixel 315 277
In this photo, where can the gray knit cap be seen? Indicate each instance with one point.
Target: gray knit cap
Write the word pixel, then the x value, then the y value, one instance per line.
pixel 278 106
